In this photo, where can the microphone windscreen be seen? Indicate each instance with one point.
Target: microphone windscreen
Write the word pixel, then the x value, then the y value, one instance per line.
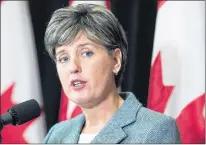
pixel 26 111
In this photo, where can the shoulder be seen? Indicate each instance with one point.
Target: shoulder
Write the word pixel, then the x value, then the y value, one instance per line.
pixel 148 118
pixel 59 129
pixel 151 116
pixel 142 114
pixel 147 126
pixel 158 127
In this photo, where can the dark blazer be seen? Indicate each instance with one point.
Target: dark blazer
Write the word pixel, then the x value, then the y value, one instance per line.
pixel 132 123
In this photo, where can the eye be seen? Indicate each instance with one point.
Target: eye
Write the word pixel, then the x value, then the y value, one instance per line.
pixel 88 53
pixel 63 59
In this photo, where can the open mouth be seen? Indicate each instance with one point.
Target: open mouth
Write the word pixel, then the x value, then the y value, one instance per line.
pixel 77 83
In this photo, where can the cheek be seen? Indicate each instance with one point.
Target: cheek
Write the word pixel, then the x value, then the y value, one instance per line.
pixel 99 70
pixel 63 76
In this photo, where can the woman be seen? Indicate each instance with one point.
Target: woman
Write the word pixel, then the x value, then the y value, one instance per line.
pixel 89 48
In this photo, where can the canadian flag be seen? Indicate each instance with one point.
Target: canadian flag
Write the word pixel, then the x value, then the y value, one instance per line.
pixel 69 109
pixel 19 71
pixel 177 81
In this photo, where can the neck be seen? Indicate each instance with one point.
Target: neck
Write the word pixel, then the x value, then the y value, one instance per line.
pixel 98 116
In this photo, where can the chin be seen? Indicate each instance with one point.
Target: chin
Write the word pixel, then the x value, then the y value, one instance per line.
pixel 81 100
pixel 84 99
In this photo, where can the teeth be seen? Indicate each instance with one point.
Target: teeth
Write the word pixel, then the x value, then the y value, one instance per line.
pixel 77 83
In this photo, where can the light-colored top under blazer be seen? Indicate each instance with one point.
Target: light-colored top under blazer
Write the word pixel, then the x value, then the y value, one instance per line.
pixel 132 123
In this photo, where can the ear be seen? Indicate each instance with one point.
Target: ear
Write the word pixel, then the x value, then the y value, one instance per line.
pixel 117 55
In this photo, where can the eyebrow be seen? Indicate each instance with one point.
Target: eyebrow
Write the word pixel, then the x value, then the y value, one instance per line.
pixel 59 52
pixel 87 43
pixel 80 45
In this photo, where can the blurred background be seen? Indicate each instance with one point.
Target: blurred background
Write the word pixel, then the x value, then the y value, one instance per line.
pixel 165 66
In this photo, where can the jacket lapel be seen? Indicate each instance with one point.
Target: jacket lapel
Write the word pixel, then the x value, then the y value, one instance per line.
pixel 74 131
pixel 113 132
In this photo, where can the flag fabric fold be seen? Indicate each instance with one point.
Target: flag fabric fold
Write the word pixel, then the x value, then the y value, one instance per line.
pixel 19 71
pixel 177 78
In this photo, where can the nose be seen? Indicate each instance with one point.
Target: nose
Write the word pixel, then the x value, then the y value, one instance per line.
pixel 74 66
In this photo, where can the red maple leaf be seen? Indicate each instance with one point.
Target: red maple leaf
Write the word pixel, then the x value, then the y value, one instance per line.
pixel 191 121
pixel 158 92
pixel 12 134
pixel 63 108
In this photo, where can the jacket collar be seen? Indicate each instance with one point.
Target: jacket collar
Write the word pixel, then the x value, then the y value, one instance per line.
pixel 113 131
pixel 74 130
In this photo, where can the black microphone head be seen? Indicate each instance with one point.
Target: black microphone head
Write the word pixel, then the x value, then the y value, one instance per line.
pixel 25 111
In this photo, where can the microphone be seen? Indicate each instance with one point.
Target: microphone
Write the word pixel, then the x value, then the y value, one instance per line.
pixel 21 113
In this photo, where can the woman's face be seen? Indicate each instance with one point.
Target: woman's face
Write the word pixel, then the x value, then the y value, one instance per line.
pixel 86 70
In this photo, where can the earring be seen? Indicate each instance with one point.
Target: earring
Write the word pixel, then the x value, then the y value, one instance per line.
pixel 115 73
